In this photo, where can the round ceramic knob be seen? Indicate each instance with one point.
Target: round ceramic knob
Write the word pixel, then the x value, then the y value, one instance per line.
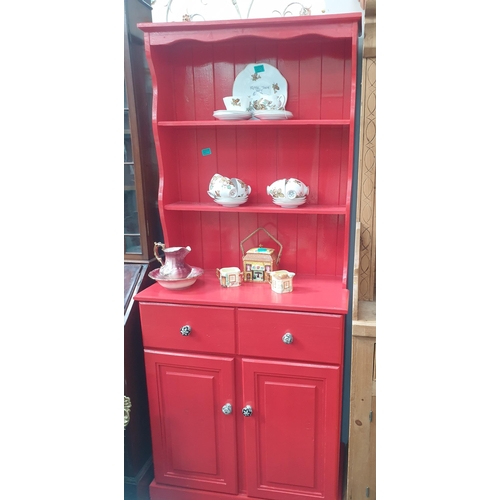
pixel 185 330
pixel 287 338
pixel 247 411
pixel 227 409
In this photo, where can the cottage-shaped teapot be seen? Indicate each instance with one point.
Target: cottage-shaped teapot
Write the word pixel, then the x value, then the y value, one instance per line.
pixel 258 262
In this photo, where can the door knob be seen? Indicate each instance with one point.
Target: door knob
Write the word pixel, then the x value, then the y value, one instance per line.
pixel 287 338
pixel 227 409
pixel 247 411
pixel 185 330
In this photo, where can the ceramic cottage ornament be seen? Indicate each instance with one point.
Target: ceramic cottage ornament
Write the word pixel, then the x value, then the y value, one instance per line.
pixel 229 276
pixel 281 281
pixel 258 262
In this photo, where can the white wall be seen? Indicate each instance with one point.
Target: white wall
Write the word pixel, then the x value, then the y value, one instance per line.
pixel 210 10
pixel 342 6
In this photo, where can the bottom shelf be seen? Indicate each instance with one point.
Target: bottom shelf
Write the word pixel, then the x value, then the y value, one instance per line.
pixel 310 293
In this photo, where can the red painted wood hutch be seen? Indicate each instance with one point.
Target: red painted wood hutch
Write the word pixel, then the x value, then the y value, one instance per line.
pixel 236 408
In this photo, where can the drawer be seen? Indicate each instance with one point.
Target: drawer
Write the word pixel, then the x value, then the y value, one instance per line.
pixel 316 337
pixel 211 328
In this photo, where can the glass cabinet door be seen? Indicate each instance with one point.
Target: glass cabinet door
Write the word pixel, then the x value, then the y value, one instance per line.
pixel 131 230
pixel 140 175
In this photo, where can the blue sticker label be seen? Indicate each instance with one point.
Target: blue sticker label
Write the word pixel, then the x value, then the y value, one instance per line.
pixel 206 152
pixel 259 68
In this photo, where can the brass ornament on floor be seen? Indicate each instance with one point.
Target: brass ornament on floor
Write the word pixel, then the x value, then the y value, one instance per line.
pixel 127 406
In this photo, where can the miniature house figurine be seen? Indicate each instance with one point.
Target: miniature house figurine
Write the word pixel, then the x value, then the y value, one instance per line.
pixel 281 281
pixel 229 276
pixel 258 262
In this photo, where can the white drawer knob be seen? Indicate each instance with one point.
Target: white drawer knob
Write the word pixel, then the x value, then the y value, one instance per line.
pixel 185 330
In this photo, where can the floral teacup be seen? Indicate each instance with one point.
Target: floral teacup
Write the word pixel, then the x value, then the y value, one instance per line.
pixel 265 102
pixel 221 187
pixel 242 189
pixel 237 103
pixel 295 188
pixel 277 189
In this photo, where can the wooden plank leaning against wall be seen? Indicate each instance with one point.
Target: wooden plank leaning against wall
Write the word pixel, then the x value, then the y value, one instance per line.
pixel 365 210
pixel 361 482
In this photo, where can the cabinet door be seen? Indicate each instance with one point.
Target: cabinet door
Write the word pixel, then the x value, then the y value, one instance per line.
pixel 292 436
pixel 194 442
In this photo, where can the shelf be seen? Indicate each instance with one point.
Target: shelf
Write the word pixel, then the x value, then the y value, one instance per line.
pixel 318 294
pixel 256 123
pixel 281 28
pixel 317 56
pixel 262 208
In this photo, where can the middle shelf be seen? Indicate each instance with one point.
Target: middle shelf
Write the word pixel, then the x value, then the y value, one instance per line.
pixel 257 208
pixel 255 123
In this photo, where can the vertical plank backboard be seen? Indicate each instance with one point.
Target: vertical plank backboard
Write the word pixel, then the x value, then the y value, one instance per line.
pixel 366 181
pixel 355 273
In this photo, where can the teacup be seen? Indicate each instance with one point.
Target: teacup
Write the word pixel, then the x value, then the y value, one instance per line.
pixel 236 103
pixel 242 189
pixel 217 181
pixel 295 188
pixel 221 187
pixel 277 189
pixel 228 191
pixel 266 102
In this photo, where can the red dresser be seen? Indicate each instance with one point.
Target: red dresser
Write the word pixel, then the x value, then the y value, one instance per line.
pixel 245 384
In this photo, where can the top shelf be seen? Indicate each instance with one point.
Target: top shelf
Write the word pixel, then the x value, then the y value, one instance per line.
pixel 256 123
pixel 329 26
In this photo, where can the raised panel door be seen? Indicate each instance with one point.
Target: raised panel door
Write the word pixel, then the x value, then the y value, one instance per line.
pixel 292 436
pixel 194 442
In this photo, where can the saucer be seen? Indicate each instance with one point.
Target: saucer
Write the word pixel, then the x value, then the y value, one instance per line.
pixel 176 284
pixel 231 202
pixel 279 114
pixel 223 114
pixel 286 200
pixel 286 203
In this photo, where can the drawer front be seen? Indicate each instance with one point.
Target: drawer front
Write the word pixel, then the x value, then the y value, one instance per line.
pixel 314 337
pixel 211 329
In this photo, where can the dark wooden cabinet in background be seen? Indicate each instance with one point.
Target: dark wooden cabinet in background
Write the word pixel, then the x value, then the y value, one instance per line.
pixel 142 223
pixel 138 468
pixel 141 229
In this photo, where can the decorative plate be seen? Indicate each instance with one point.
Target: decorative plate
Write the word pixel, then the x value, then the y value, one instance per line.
pixel 260 78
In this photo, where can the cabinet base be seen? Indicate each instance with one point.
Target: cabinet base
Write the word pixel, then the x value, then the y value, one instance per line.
pixel 136 488
pixel 162 492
